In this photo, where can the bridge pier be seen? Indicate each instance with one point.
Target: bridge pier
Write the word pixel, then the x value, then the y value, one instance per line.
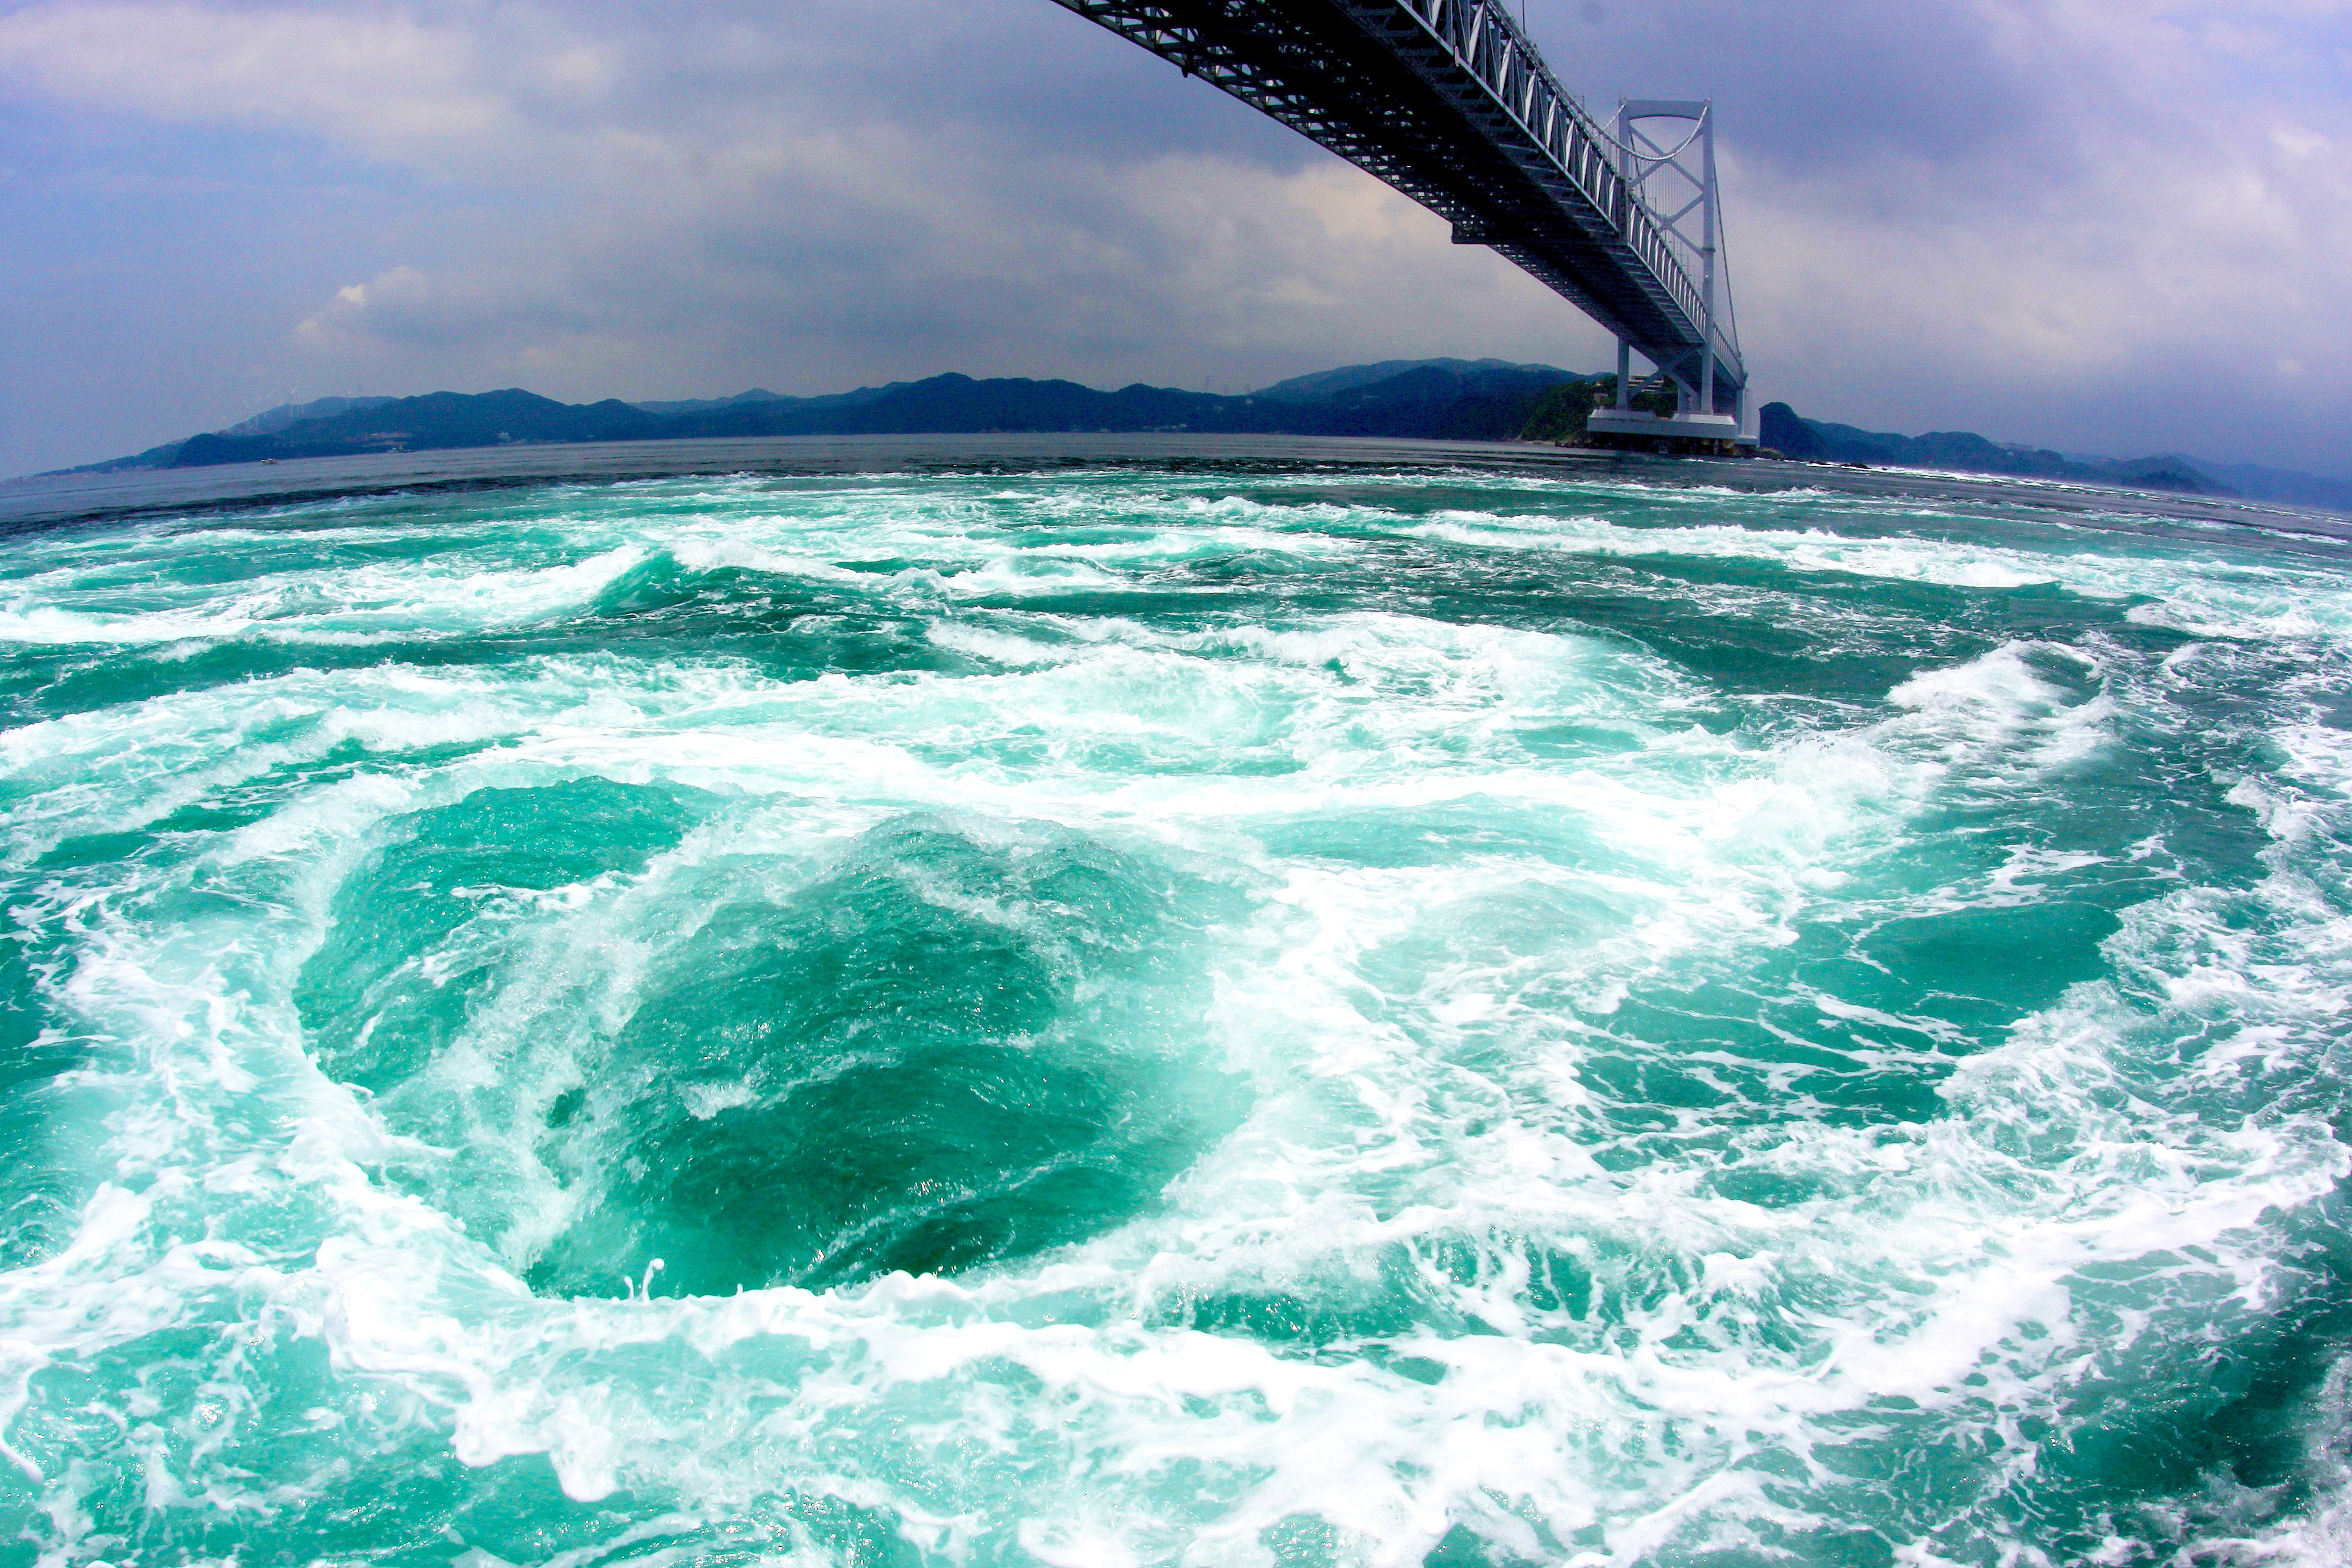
pixel 1685 433
pixel 1693 429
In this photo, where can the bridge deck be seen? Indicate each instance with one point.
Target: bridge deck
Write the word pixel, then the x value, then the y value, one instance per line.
pixel 1448 101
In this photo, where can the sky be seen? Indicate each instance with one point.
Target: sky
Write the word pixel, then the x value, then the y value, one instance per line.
pixel 2113 227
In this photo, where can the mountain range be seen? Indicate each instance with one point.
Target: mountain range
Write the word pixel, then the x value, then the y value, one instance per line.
pixel 1446 399
pixel 1781 428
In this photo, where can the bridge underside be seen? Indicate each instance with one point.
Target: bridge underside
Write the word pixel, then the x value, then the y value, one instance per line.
pixel 1446 101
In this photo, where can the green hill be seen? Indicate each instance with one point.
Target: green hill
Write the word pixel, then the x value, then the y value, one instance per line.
pixel 1449 400
pixel 1784 430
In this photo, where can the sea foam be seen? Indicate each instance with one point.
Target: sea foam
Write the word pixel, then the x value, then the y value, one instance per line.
pixel 1174 1018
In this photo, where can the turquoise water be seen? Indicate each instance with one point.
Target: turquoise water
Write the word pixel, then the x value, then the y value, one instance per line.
pixel 1127 1017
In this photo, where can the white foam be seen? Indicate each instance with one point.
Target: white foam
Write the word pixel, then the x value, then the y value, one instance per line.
pixel 1614 1351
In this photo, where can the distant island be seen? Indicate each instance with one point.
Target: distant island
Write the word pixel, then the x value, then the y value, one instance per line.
pixel 1435 399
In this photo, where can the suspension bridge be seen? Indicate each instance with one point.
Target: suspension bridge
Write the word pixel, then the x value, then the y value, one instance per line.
pixel 1448 101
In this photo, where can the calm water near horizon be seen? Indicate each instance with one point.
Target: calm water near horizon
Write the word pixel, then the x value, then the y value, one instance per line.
pixel 1016 1000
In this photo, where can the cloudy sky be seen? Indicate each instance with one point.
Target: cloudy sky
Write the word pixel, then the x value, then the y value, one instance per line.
pixel 2110 225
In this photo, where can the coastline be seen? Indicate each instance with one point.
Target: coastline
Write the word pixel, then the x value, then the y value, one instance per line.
pixel 63 500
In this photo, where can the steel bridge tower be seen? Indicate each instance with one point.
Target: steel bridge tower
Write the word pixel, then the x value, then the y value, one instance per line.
pixel 1448 101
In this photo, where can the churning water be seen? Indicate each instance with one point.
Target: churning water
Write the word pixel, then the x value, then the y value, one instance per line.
pixel 1119 1018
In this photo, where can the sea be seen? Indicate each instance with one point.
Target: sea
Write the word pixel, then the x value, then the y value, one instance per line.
pixel 1216 1004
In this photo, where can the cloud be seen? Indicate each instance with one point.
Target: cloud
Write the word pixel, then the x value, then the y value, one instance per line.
pixel 2027 216
pixel 739 186
pixel 822 253
pixel 403 308
pixel 2091 221
pixel 386 82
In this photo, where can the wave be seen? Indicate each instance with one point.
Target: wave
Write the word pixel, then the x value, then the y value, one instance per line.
pixel 1155 1017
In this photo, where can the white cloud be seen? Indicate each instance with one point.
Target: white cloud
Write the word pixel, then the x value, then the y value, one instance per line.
pixel 382 79
pixel 2154 203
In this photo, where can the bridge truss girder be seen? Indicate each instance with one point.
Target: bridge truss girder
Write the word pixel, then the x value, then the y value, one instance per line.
pixel 1448 102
